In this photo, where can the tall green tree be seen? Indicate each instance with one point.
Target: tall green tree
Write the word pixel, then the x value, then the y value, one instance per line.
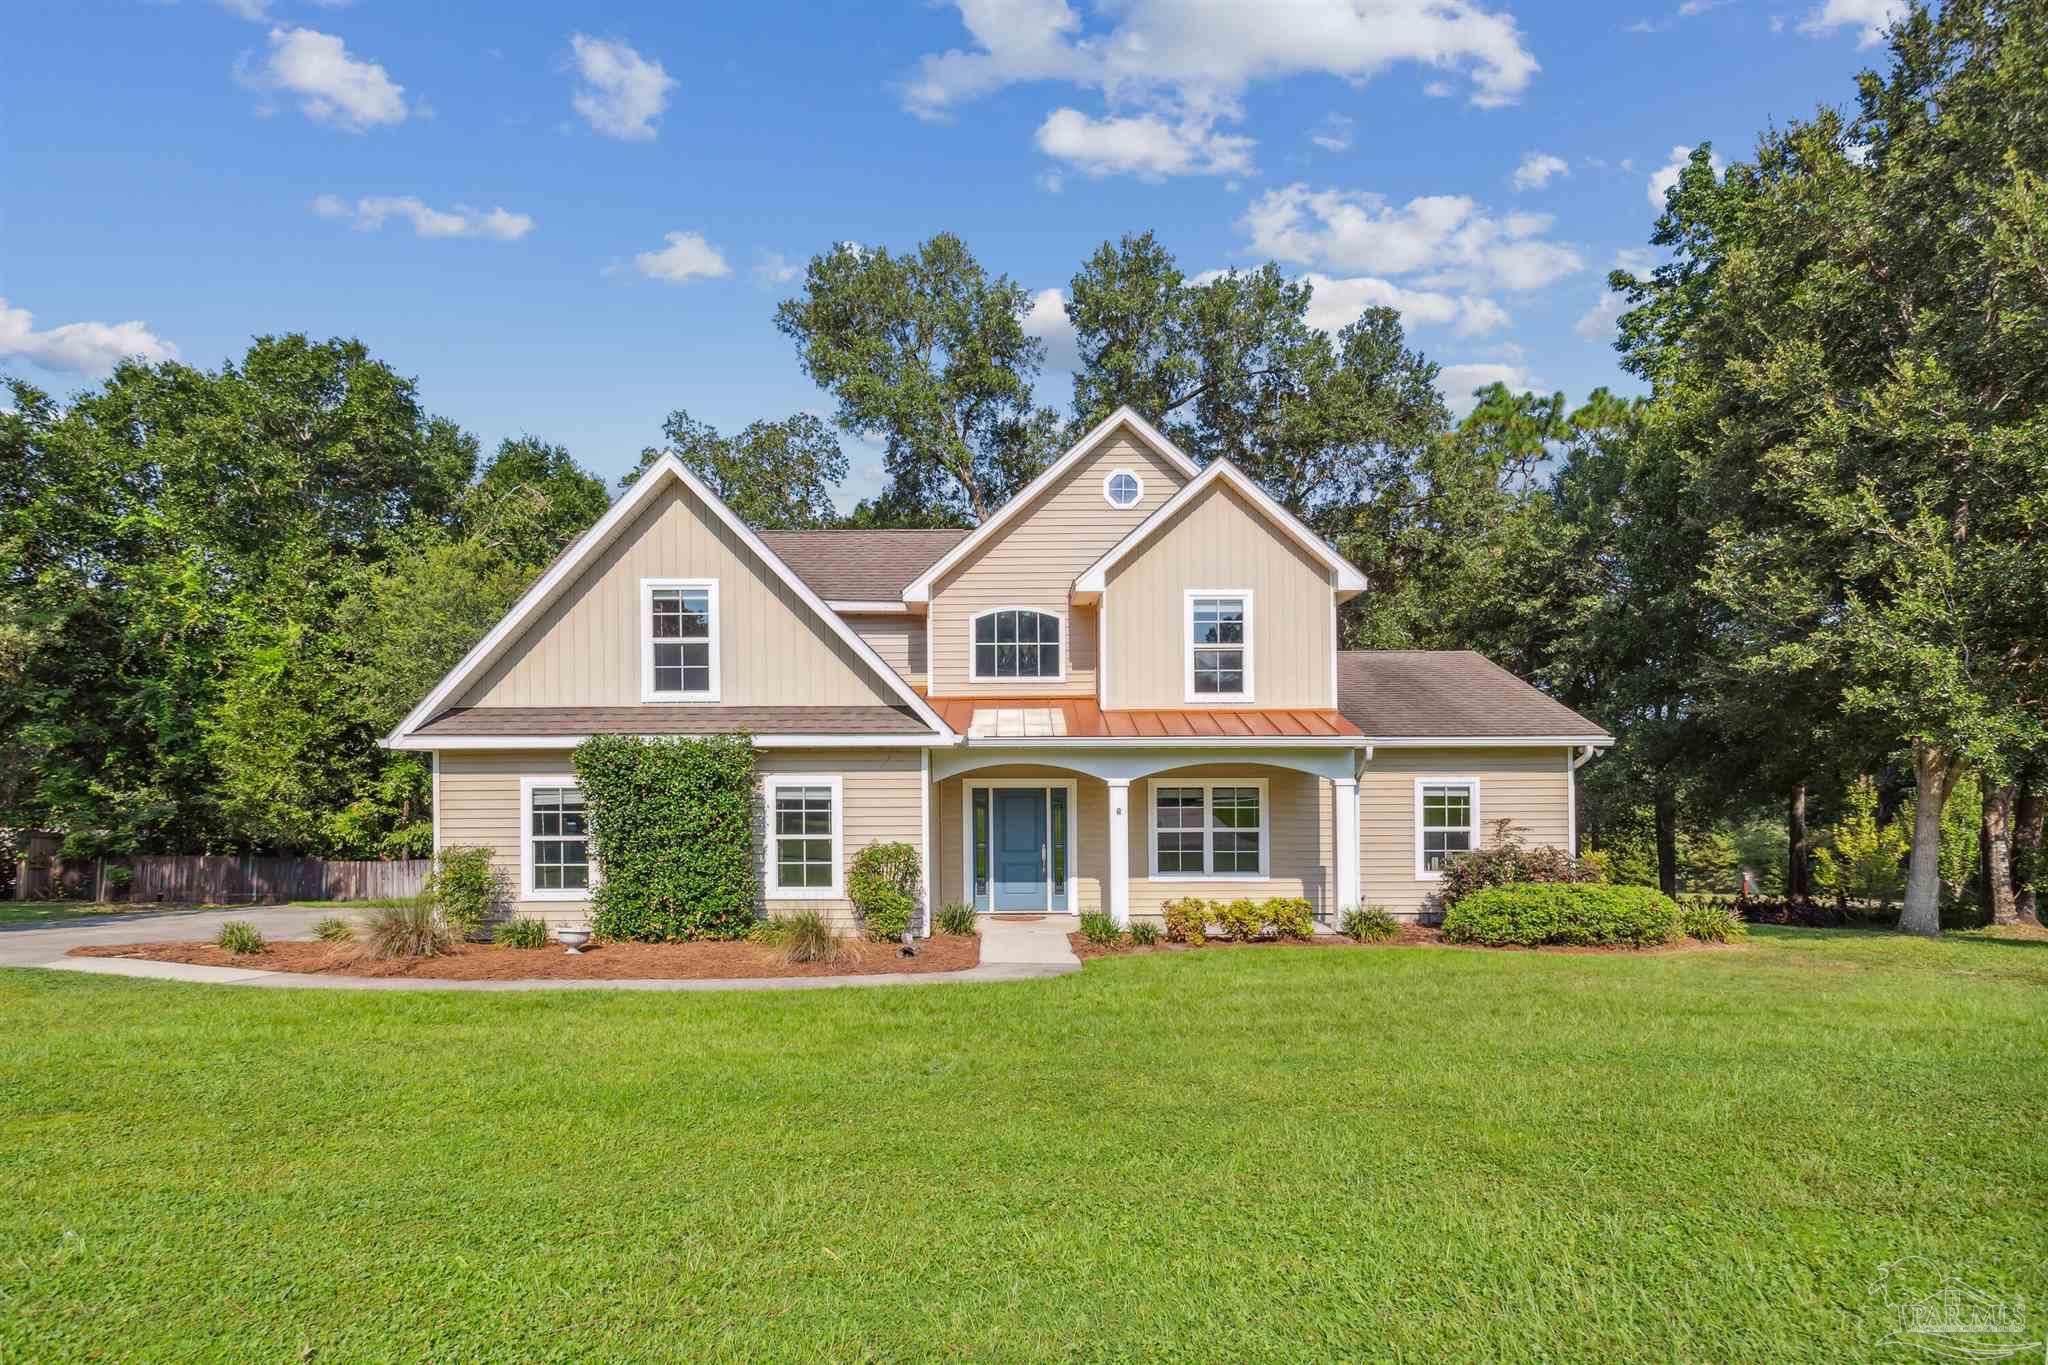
pixel 778 476
pixel 927 353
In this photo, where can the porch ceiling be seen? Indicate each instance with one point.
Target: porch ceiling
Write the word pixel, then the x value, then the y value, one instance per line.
pixel 1081 718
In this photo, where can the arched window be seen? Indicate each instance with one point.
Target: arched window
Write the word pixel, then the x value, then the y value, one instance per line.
pixel 1016 642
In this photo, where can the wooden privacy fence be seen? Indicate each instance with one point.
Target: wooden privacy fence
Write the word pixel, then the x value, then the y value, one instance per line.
pixel 226 879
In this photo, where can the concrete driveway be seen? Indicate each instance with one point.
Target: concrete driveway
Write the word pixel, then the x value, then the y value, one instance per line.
pixel 23 945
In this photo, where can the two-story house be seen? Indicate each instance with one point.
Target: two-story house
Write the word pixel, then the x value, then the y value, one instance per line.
pixel 1124 687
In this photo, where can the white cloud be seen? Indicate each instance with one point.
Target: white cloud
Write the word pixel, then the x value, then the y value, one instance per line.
pixel 1872 16
pixel 1597 322
pixel 1636 260
pixel 776 268
pixel 1438 90
pixel 1333 134
pixel 1665 178
pixel 1537 168
pixel 622 92
pixel 1337 302
pixel 1052 182
pixel 1047 320
pixel 462 221
pixel 1201 57
pixel 332 86
pixel 686 257
pixel 1146 146
pixel 1443 238
pixel 256 10
pixel 79 347
pixel 1458 383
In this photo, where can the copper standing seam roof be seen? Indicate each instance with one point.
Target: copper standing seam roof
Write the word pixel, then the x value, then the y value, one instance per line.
pixel 1081 718
pixel 538 722
pixel 1454 693
pixel 860 566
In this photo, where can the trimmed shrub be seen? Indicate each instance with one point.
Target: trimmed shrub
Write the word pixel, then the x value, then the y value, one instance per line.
pixel 239 936
pixel 1242 919
pixel 1710 921
pixel 882 880
pixel 1291 917
pixel 956 919
pixel 1187 920
pixel 467 888
pixel 807 936
pixel 413 929
pixel 1593 914
pixel 672 826
pixel 1144 933
pixel 1100 927
pixel 887 914
pixel 1372 924
pixel 1507 861
pixel 335 929
pixel 523 931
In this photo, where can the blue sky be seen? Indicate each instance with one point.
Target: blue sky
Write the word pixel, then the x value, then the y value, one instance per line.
pixel 569 219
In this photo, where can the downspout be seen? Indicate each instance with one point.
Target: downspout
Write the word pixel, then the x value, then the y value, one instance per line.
pixel 1571 796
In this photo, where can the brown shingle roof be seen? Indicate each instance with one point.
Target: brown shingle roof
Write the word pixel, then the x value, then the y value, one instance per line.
pixel 860 566
pixel 1451 692
pixel 538 722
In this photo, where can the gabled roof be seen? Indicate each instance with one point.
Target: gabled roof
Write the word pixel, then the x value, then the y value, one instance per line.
pixel 919 589
pixel 860 566
pixel 1450 694
pixel 1345 575
pixel 563 572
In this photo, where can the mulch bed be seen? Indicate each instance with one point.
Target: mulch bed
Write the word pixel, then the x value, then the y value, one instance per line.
pixel 597 962
pixel 1409 935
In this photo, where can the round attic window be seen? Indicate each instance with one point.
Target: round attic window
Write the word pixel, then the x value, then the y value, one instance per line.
pixel 1123 488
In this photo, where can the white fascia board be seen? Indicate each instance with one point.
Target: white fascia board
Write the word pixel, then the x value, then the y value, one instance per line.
pixel 594 541
pixel 920 588
pixel 1168 742
pixel 426 743
pixel 1487 741
pixel 1346 577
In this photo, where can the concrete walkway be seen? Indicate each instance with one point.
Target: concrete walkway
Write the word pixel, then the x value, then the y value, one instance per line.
pixel 1005 956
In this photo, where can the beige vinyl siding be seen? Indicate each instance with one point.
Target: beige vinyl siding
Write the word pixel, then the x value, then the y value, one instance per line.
pixel 899 639
pixel 480 805
pixel 585 649
pixel 1527 786
pixel 1218 541
pixel 1033 561
pixel 1298 847
pixel 1091 830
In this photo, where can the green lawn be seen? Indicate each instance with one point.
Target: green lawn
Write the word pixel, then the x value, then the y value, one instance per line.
pixel 1295 1153
pixel 56 912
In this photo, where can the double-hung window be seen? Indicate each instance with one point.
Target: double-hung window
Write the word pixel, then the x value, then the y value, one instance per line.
pixel 1016 642
pixel 1209 829
pixel 679 639
pixel 1219 645
pixel 804 823
pixel 555 851
pixel 1446 823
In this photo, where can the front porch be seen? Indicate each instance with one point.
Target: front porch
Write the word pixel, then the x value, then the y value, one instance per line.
pixel 1126 832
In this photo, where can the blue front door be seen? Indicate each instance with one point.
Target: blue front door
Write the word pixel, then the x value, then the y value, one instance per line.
pixel 1019 850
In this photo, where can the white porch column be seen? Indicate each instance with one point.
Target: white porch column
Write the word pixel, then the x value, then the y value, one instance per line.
pixel 1120 852
pixel 1347 843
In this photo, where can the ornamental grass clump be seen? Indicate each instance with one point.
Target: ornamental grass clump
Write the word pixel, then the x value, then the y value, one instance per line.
pixel 1100 928
pixel 412 929
pixel 522 931
pixel 1369 924
pixel 808 936
pixel 957 919
pixel 334 929
pixel 1594 915
pixel 1710 921
pixel 1144 933
pixel 240 937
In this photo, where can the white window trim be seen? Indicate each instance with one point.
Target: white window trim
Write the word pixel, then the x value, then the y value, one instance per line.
pixel 1154 785
pixel 647 588
pixel 769 889
pixel 992 786
pixel 1066 645
pixel 1423 874
pixel 1187 648
pixel 1136 477
pixel 527 890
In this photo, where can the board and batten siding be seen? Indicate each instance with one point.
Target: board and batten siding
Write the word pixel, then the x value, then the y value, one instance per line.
pixel 480 806
pixel 1033 561
pixel 899 639
pixel 584 650
pixel 1530 787
pixel 1219 541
